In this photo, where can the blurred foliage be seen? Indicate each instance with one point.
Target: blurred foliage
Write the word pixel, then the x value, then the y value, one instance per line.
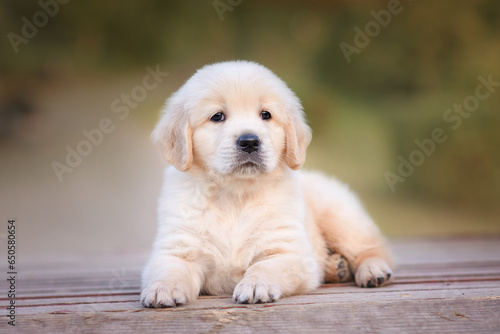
pixel 394 91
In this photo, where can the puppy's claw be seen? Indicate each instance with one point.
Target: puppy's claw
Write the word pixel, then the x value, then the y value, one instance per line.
pixel 250 291
pixel 373 272
pixel 163 294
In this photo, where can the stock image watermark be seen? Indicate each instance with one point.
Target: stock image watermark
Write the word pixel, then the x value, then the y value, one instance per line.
pixel 11 271
pixel 120 107
pixel 372 29
pixel 222 6
pixel 30 27
pixel 453 117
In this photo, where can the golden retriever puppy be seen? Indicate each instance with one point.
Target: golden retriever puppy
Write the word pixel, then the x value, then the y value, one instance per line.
pixel 235 215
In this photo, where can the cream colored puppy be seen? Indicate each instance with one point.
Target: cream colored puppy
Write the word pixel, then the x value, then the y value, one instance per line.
pixel 235 215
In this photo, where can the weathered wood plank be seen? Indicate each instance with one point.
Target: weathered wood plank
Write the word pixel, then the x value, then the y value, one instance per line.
pixel 330 289
pixel 462 315
pixel 441 285
pixel 329 295
pixel 110 283
pixel 112 277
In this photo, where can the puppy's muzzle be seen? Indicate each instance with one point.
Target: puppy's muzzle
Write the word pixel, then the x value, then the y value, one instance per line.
pixel 248 143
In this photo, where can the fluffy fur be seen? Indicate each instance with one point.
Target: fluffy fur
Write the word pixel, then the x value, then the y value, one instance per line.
pixel 250 224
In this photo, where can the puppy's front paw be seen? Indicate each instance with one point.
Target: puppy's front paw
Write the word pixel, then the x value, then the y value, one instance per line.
pixel 373 272
pixel 166 294
pixel 250 291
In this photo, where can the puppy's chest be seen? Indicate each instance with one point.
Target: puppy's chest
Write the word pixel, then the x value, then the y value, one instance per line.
pixel 232 239
pixel 232 234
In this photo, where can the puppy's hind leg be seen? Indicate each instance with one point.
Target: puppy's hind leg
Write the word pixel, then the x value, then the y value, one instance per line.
pixel 337 268
pixel 347 230
pixel 361 251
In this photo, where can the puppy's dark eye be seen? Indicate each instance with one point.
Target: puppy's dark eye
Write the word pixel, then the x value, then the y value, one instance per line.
pixel 265 115
pixel 218 117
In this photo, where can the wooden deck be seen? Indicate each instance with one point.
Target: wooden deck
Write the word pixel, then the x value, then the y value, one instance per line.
pixel 440 285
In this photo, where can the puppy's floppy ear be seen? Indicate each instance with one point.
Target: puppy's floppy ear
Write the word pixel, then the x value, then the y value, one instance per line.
pixel 298 136
pixel 173 135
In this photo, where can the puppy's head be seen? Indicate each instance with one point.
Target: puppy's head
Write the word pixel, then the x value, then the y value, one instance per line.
pixel 234 119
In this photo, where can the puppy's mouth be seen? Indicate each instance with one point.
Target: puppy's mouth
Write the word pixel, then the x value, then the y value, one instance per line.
pixel 249 165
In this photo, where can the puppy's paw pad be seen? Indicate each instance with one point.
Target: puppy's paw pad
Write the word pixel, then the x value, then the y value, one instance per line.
pixel 372 273
pixel 337 269
pixel 164 294
pixel 250 292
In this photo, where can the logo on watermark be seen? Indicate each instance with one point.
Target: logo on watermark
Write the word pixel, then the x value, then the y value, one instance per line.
pixel 11 271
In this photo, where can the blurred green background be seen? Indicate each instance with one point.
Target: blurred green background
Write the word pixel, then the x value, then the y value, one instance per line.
pixel 365 112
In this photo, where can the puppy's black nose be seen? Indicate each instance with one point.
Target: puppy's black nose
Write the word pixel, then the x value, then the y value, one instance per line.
pixel 248 143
